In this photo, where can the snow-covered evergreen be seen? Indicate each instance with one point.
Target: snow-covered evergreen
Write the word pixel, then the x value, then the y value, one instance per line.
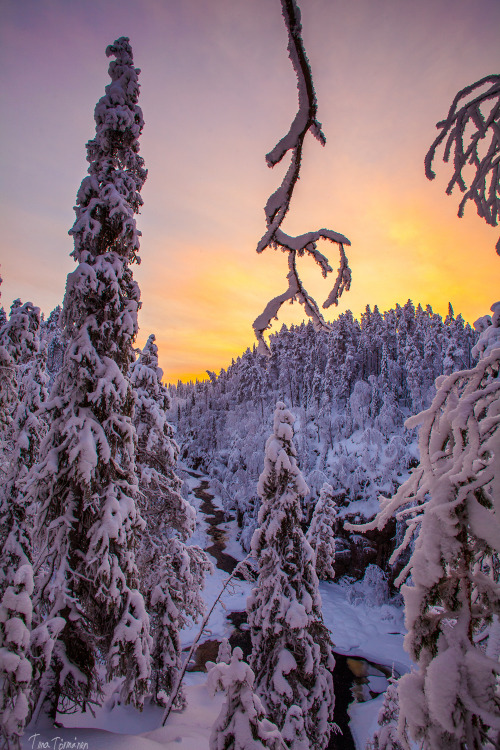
pixel 88 604
pixel 27 431
pixel 489 328
pixel 242 722
pixel 224 652
pixel 162 505
pixel 53 337
pixel 451 503
pixel 321 533
pixel 15 667
pixel 386 738
pixel 171 572
pixel 175 602
pixel 291 649
pixel 8 399
pixel 21 336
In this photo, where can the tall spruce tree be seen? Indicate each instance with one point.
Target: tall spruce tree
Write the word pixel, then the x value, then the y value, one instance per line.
pixel 8 399
pixel 20 334
pixel 157 453
pixel 88 603
pixel 21 337
pixel 386 736
pixel 171 572
pixel 291 649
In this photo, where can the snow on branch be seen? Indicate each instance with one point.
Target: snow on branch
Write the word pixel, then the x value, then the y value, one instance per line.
pixel 469 122
pixel 279 202
pixel 456 439
pixel 451 504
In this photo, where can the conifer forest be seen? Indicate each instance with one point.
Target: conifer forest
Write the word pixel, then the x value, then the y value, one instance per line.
pixel 298 552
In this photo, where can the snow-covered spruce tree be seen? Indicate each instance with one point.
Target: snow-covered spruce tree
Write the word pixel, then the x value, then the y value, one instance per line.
pixel 19 341
pixel 20 336
pixel 172 573
pixel 16 557
pixel 3 316
pixel 15 668
pixel 321 533
pixel 7 391
pixel 291 649
pixel 53 338
pixel 163 507
pixel 88 603
pixel 176 601
pixel 294 731
pixel 386 738
pixel 20 333
pixel 242 722
pixel 224 652
pixel 8 395
pixel 452 505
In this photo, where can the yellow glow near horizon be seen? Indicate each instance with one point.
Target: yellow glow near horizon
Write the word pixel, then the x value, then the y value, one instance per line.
pixel 217 92
pixel 411 251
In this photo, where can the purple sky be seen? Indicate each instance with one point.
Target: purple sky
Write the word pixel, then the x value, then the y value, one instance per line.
pixel 218 92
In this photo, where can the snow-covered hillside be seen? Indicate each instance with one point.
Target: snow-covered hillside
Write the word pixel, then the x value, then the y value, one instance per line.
pixel 350 389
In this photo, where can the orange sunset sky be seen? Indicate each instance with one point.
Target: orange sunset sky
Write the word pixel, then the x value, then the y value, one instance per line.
pixel 217 92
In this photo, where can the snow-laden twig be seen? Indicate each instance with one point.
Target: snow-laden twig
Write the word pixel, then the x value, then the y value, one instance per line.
pixel 279 202
pixel 465 129
pixel 240 568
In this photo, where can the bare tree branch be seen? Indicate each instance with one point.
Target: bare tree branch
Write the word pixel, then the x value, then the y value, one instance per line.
pixel 481 116
pixel 243 569
pixel 279 202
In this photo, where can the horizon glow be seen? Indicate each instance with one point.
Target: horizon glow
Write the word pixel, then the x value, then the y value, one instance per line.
pixel 217 93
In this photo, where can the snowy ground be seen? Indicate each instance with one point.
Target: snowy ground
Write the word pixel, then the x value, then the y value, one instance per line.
pixel 360 631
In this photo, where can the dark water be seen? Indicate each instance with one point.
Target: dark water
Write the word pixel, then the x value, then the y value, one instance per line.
pixel 215 518
pixel 343 678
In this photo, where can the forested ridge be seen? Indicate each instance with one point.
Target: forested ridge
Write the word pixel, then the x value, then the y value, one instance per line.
pixel 351 389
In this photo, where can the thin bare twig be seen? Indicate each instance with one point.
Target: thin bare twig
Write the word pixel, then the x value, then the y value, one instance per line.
pixel 173 695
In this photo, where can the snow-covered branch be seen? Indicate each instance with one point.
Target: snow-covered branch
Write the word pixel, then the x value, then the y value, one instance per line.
pixel 469 122
pixel 279 202
pixel 453 505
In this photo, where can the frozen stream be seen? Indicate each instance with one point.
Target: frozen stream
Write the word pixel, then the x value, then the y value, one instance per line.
pixel 368 643
pixel 355 677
